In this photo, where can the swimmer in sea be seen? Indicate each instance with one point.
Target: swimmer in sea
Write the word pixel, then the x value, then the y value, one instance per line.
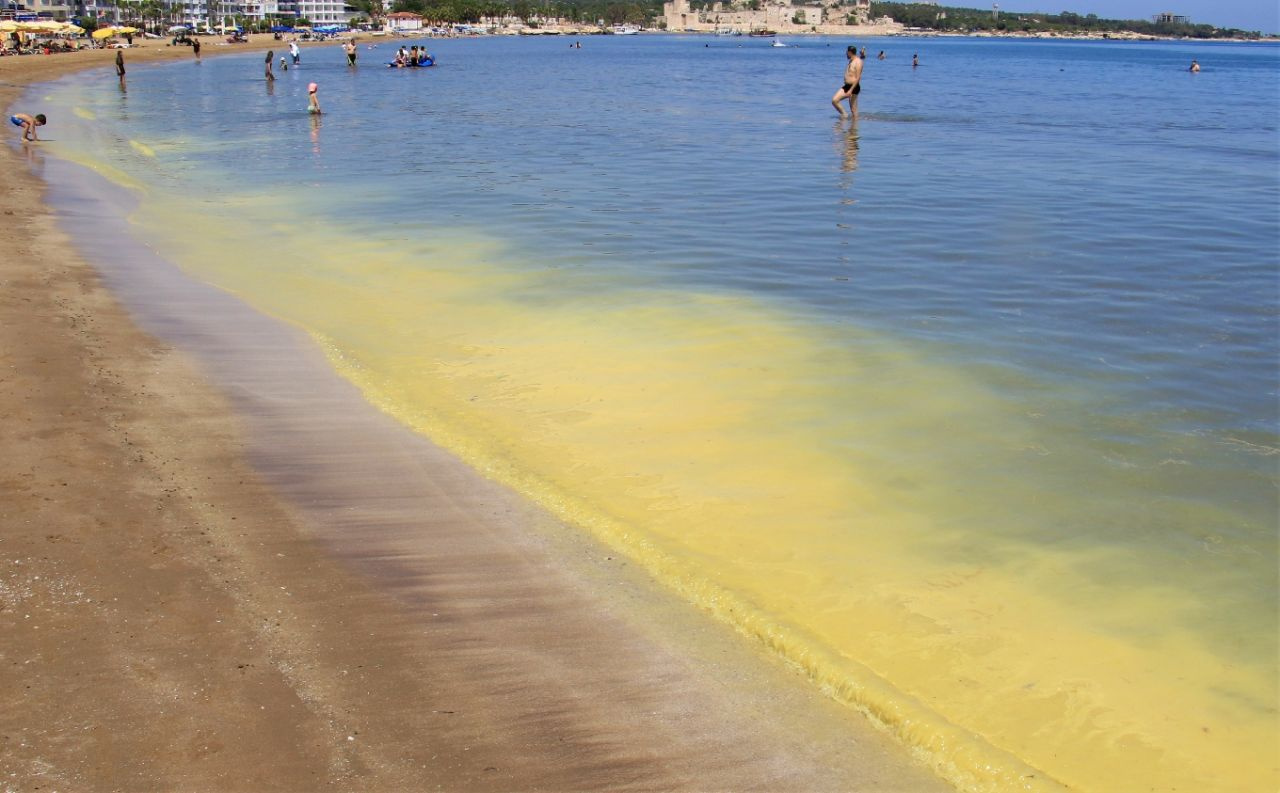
pixel 270 54
pixel 1195 67
pixel 852 83
pixel 350 49
pixel 313 102
pixel 28 124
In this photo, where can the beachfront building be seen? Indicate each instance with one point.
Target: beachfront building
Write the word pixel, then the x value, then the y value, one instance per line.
pixel 204 14
pixel 261 9
pixel 192 12
pixel 55 9
pixel 404 21
pixel 325 12
pixel 781 16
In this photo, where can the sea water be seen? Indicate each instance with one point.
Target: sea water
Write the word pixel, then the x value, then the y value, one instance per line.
pixel 967 407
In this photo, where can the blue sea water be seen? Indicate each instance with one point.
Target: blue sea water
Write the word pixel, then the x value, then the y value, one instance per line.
pixel 1053 198
pixel 1030 294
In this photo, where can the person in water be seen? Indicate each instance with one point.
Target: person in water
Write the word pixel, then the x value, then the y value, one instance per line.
pixel 270 56
pixel 120 66
pixel 880 57
pixel 284 64
pixel 295 52
pixel 313 102
pixel 852 83
pixel 1195 67
pixel 28 124
pixel 915 60
pixel 195 48
pixel 350 49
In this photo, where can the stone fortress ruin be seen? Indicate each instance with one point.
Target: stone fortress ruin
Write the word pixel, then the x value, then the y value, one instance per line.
pixel 778 16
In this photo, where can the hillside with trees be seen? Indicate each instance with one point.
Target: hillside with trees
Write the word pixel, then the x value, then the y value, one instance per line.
pixel 966 20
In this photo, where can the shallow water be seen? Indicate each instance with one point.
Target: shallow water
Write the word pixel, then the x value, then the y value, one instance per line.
pixel 968 407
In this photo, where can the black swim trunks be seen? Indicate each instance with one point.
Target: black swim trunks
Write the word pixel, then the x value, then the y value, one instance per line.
pixel 857 89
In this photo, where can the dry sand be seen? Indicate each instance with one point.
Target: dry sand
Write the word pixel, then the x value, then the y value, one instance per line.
pixel 221 571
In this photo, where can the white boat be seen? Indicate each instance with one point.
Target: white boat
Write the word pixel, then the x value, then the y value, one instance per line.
pixel 777 43
pixel 625 30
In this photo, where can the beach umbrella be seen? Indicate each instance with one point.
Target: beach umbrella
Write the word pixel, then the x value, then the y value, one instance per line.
pixel 41 26
pixel 8 26
pixel 102 33
pixel 70 28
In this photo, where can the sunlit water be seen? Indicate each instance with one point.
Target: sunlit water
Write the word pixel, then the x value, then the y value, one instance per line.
pixel 969 407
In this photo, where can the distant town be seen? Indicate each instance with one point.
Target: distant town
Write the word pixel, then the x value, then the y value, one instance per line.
pixel 548 17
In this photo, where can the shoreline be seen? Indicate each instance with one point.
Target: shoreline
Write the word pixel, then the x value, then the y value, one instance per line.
pixel 176 623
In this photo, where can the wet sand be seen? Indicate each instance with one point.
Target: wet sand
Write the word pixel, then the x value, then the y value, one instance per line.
pixel 221 570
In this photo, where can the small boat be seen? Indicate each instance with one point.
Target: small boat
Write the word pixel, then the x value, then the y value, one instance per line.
pixel 421 64
pixel 625 30
pixel 777 43
pixel 763 33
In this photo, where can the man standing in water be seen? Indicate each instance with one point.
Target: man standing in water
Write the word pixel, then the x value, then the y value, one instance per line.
pixel 350 49
pixel 852 83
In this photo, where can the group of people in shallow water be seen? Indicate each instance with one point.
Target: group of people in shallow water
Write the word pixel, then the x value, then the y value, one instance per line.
pixel 418 56
pixel 415 56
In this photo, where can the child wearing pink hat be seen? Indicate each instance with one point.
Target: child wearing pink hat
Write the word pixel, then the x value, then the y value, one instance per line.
pixel 314 104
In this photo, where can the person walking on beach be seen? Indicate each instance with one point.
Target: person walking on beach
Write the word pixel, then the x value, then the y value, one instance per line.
pixel 120 66
pixel 313 101
pixel 271 54
pixel 28 124
pixel 852 83
pixel 350 48
pixel 293 51
pixel 195 48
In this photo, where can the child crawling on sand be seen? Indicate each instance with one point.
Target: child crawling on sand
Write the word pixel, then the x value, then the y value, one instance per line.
pixel 28 124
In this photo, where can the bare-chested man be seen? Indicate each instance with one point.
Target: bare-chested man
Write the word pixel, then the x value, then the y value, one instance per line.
pixel 852 83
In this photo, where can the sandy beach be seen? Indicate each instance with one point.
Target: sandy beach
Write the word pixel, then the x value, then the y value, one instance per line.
pixel 220 570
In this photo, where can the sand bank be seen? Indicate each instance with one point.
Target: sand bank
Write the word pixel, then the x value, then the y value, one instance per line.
pixel 221 570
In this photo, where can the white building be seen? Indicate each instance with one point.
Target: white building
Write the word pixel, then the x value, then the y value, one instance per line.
pixel 325 12
pixel 404 21
pixel 57 9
